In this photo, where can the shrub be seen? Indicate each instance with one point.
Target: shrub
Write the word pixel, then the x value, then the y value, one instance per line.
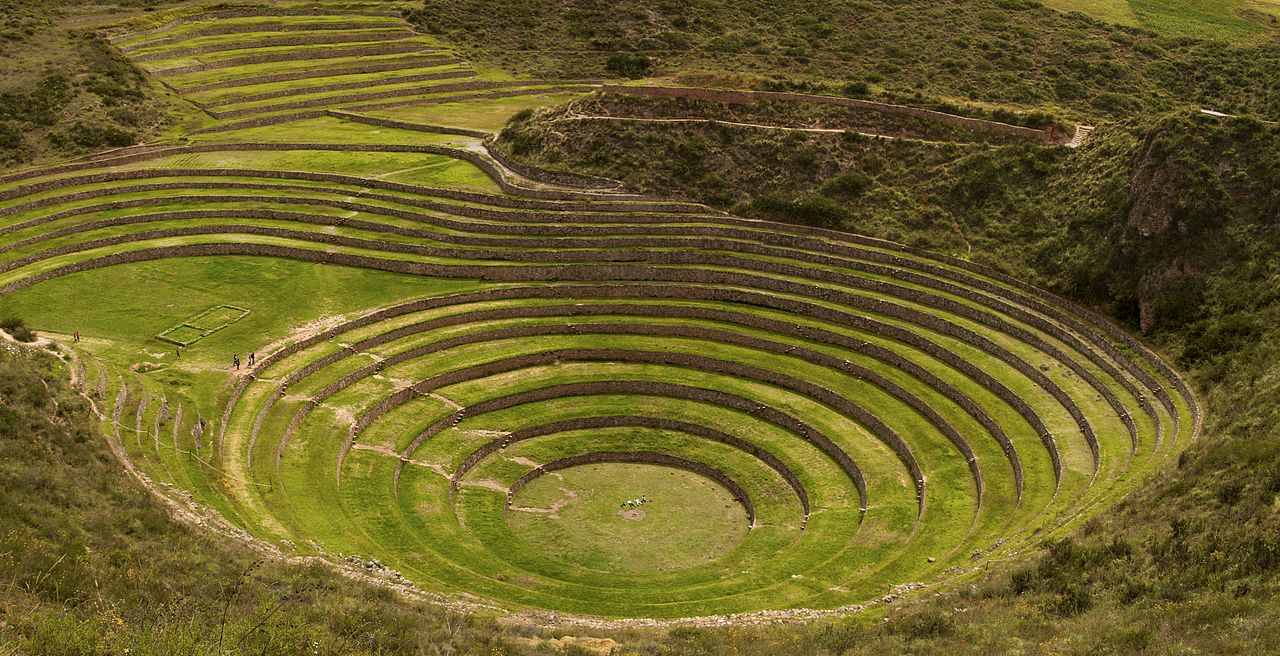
pixel 10 137
pixel 520 141
pixel 628 65
pixel 124 116
pixel 809 210
pixel 930 623
pixel 40 105
pixel 17 328
pixel 13 145
pixel 1211 339
pixel 1114 103
pixel 856 89
pixel 805 156
pixel 111 91
pixel 1074 600
pixel 848 185
pixel 93 135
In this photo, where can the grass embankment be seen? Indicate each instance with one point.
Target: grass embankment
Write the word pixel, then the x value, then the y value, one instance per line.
pixel 92 563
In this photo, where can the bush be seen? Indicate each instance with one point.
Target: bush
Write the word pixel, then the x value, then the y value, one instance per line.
pixel 41 104
pixel 17 328
pixel 13 145
pixel 848 185
pixel 930 623
pixel 93 135
pixel 1074 600
pixel 10 137
pixel 519 141
pixel 856 89
pixel 810 210
pixel 1114 103
pixel 629 65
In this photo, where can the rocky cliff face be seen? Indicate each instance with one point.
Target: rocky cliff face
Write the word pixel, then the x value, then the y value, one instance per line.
pixel 1198 198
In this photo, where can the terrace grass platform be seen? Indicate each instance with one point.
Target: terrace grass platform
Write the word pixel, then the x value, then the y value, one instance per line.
pixel 463 371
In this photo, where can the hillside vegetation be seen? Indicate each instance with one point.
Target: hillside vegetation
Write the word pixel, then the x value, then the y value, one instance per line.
pixel 92 563
pixel 986 51
pixel 438 332
pixel 1147 221
pixel 64 90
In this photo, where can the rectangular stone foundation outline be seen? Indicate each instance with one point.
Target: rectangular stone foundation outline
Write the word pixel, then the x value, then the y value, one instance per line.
pixel 192 323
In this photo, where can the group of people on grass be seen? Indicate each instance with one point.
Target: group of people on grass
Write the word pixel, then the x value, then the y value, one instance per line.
pixel 177 352
pixel 635 503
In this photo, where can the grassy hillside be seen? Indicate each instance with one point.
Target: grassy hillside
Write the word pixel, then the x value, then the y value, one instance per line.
pixel 63 89
pixel 1165 220
pixel 91 563
pixel 1227 20
pixel 1134 223
pixel 996 51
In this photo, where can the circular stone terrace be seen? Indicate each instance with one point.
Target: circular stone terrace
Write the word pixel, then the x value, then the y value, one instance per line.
pixel 810 417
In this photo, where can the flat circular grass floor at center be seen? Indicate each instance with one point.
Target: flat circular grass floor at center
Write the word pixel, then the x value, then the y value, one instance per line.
pixel 576 515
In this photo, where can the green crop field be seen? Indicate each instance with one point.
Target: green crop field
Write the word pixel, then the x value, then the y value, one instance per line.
pixel 464 372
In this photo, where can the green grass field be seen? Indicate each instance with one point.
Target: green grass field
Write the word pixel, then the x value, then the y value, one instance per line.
pixel 1225 20
pixel 579 517
pixel 431 331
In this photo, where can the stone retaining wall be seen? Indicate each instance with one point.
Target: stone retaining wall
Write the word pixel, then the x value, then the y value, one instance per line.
pixel 610 203
pixel 593 423
pixel 296 40
pixel 338 240
pixel 575 272
pixel 428 269
pixel 725 245
pixel 719 336
pixel 340 86
pixel 404 63
pixel 552 177
pixel 813 391
pixel 526 361
pixel 742 97
pixel 245 29
pixel 251 13
pixel 1132 365
pixel 295 55
pixel 476 85
pixel 583 88
pixel 480 162
pixel 659 389
pixel 405 125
